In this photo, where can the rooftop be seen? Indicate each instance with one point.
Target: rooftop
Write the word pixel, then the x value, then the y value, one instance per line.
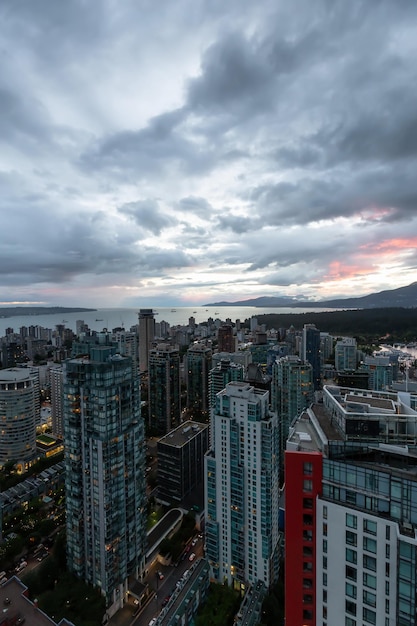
pixel 379 403
pixel 15 604
pixel 183 433
pixel 14 374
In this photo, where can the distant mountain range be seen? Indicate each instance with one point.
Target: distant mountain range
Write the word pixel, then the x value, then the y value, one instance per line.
pixel 401 297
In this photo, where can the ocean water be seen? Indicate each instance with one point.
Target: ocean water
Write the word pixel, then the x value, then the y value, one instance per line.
pixel 113 318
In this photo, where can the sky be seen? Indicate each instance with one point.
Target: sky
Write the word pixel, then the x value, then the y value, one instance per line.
pixel 180 153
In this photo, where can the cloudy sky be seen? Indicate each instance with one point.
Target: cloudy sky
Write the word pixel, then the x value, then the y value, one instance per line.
pixel 184 152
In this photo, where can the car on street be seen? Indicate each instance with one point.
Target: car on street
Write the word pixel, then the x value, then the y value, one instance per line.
pixel 192 556
pixel 160 575
pixel 153 621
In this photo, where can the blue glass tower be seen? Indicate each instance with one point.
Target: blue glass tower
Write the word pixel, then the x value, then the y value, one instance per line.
pixel 105 470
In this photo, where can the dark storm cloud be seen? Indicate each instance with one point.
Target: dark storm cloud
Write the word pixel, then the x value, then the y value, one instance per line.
pixel 344 193
pixel 238 224
pixel 292 114
pixel 147 215
pixel 232 75
pixel 21 119
pixel 196 205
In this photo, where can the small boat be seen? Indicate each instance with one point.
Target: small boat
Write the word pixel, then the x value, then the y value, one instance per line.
pixel 194 312
pixel 99 319
pixel 173 310
pixel 64 322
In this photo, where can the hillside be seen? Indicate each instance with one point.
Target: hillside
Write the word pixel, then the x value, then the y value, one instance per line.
pixel 399 323
pixel 401 297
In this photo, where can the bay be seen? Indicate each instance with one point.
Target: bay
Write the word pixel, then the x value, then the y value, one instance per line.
pixel 127 317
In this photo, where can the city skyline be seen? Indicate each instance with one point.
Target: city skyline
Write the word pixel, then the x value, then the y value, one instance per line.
pixel 168 155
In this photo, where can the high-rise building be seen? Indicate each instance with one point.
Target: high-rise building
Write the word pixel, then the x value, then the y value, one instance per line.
pixel 224 372
pixel 17 417
pixel 197 365
pixel 164 388
pixel 345 354
pixel 380 370
pixel 146 336
pixel 35 375
pixel 181 461
pixel 311 351
pixel 226 340
pixel 241 489
pixel 81 327
pixel 128 345
pixel 291 393
pixel 56 376
pixel 243 357
pixel 105 470
pixel 350 510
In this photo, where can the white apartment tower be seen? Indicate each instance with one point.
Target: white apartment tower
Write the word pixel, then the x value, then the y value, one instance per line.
pixel 241 488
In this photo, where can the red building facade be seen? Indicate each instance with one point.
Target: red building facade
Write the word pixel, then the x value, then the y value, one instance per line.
pixel 303 473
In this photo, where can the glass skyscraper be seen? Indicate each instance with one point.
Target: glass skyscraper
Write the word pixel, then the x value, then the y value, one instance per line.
pixel 164 388
pixel 105 471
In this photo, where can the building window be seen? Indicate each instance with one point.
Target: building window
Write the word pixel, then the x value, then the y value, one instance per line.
pixel 369 562
pixel 350 622
pixel 369 616
pixel 350 607
pixel 369 527
pixel 351 591
pixel 369 544
pixel 307 485
pixel 369 598
pixel 387 533
pixel 325 512
pixel 351 556
pixel 307 614
pixel 351 573
pixel 308 469
pixel 351 538
pixel 351 520
pixel 325 546
pixel 369 580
